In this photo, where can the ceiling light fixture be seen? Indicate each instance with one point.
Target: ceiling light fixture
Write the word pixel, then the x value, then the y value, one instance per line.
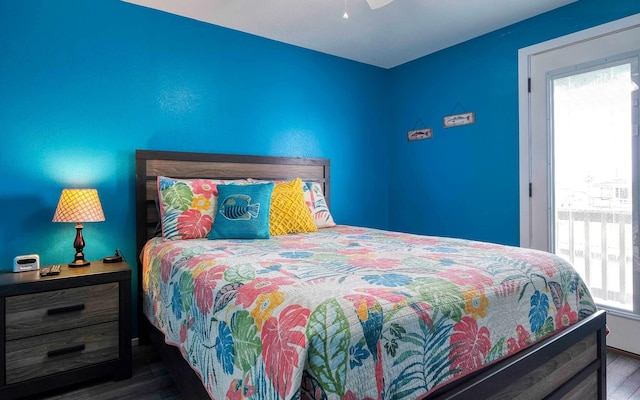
pixel 374 4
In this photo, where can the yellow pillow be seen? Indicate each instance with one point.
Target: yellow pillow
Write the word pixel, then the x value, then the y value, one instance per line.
pixel 289 213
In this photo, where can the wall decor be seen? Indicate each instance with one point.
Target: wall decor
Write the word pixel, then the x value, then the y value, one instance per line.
pixel 451 121
pixel 419 134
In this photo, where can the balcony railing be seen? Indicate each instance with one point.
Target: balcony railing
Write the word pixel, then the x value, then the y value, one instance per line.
pixel 598 245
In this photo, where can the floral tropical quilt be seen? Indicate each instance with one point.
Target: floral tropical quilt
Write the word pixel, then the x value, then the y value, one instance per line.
pixel 352 313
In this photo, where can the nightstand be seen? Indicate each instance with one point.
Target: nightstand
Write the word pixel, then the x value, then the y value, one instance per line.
pixel 64 329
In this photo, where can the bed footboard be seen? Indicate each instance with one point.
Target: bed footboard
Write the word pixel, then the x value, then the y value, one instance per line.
pixel 569 365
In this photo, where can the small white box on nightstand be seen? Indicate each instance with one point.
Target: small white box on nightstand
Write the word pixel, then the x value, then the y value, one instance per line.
pixel 29 262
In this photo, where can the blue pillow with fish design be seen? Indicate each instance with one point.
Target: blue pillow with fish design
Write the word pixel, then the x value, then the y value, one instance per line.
pixel 242 212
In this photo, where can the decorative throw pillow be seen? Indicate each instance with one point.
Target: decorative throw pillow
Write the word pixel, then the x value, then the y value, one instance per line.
pixel 242 212
pixel 186 207
pixel 317 204
pixel 289 212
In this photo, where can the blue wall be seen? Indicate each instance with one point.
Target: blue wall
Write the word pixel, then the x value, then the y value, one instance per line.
pixel 85 83
pixel 464 181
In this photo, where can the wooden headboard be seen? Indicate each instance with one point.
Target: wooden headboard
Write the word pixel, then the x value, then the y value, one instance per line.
pixel 151 164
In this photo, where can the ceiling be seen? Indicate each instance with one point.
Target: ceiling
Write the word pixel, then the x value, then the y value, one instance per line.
pixel 385 37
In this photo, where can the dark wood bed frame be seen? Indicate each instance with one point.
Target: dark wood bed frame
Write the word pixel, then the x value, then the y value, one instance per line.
pixel 568 365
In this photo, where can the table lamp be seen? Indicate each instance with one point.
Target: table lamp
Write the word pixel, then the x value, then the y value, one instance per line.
pixel 79 205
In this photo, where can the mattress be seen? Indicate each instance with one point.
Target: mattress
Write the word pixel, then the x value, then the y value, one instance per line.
pixel 350 312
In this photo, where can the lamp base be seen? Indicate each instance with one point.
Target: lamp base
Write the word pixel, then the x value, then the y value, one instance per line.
pixel 78 243
pixel 79 263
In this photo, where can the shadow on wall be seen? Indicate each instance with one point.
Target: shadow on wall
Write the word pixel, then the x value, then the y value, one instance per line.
pixel 36 220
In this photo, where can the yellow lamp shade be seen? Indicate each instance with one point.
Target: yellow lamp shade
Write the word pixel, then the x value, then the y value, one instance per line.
pixel 79 205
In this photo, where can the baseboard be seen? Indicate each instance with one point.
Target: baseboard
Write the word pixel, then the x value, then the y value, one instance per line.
pixel 623 352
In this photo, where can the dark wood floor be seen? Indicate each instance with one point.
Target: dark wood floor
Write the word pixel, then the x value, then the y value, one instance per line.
pixel 151 380
pixel 623 377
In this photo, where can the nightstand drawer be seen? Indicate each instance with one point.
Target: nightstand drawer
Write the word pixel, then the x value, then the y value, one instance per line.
pixel 46 312
pixel 61 351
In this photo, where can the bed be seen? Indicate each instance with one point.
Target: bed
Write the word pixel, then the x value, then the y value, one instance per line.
pixel 323 341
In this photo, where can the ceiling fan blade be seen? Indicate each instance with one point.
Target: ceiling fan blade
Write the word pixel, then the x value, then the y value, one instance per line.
pixel 378 3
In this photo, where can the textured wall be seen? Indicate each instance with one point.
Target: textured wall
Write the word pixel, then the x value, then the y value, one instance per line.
pixel 85 83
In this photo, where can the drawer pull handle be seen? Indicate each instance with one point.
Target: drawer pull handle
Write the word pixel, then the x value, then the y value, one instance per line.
pixel 62 310
pixel 66 350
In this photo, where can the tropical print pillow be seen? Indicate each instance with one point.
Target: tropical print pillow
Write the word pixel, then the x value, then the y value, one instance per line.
pixel 317 204
pixel 187 206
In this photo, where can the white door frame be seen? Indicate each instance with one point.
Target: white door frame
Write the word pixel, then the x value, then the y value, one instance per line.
pixel 524 66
